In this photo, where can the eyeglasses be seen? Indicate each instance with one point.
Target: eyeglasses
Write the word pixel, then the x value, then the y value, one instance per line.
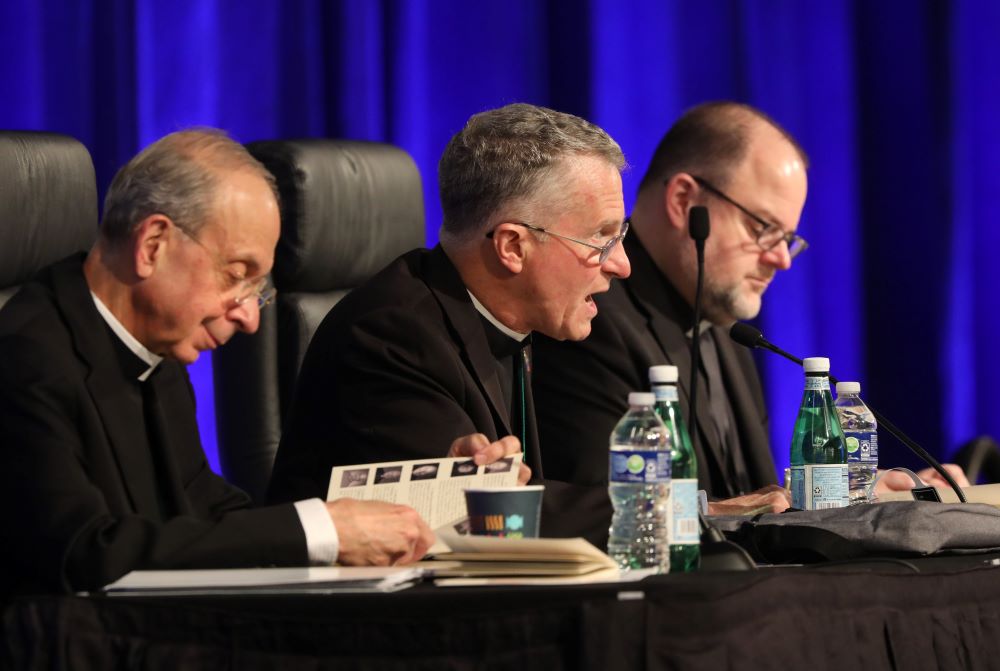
pixel 769 235
pixel 247 289
pixel 605 249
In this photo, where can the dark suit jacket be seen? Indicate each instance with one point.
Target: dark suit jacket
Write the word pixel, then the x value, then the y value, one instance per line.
pixel 397 370
pixel 74 455
pixel 581 391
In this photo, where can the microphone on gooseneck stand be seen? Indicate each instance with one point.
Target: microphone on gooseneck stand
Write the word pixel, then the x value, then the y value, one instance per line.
pixel 698 227
pixel 750 336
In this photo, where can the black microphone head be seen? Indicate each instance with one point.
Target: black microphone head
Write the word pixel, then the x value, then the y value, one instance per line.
pixel 698 223
pixel 746 335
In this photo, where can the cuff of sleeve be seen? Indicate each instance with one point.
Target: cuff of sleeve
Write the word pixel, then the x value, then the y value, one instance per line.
pixel 322 541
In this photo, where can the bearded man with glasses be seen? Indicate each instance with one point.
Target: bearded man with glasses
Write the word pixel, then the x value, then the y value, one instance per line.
pixel 751 175
pixel 101 466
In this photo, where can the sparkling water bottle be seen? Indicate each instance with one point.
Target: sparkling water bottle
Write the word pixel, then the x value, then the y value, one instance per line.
pixel 682 513
pixel 860 438
pixel 639 487
pixel 819 458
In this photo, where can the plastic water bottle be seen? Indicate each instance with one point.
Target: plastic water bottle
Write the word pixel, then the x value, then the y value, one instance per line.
pixel 819 457
pixel 682 513
pixel 860 438
pixel 639 487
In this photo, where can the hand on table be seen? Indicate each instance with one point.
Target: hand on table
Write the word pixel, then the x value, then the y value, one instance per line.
pixel 478 446
pixel 770 499
pixel 895 481
pixel 376 533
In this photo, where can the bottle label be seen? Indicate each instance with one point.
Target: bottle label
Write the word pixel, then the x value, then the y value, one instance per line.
pixel 639 466
pixel 666 393
pixel 817 383
pixel 684 511
pixel 819 486
pixel 862 446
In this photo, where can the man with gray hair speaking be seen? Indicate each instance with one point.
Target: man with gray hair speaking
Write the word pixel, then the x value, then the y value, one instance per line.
pixel 436 345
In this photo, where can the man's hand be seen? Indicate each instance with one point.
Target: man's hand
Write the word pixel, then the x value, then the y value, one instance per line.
pixel 770 499
pixel 479 447
pixel 895 481
pixel 375 533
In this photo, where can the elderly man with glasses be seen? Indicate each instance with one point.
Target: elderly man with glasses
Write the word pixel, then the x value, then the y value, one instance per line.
pixel 437 344
pixel 101 466
pixel 751 175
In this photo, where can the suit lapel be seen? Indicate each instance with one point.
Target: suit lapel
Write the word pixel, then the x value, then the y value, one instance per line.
pixel 119 409
pixel 450 292
pixel 744 401
pixel 666 312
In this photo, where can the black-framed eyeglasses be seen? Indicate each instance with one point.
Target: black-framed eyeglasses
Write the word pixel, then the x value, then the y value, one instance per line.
pixel 605 249
pixel 248 289
pixel 769 235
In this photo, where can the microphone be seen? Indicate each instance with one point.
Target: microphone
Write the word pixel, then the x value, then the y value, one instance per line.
pixel 750 336
pixel 698 228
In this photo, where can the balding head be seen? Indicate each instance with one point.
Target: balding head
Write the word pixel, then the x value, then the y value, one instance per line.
pixel 177 176
pixel 711 140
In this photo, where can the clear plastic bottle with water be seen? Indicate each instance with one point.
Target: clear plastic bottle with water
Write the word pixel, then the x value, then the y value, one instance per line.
pixel 639 487
pixel 860 437
pixel 685 532
pixel 818 458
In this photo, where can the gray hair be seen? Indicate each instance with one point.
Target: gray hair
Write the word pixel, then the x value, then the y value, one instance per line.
pixel 710 141
pixel 505 154
pixel 176 176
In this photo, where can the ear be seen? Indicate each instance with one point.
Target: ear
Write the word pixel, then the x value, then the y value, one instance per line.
pixel 679 197
pixel 510 242
pixel 149 243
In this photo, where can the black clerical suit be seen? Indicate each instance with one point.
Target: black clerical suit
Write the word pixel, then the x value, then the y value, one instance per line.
pixel 397 370
pixel 581 391
pixel 100 473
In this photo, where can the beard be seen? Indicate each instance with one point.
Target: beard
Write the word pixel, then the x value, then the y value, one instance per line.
pixel 725 304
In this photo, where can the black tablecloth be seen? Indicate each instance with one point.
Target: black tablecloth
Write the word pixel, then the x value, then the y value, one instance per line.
pixel 872 616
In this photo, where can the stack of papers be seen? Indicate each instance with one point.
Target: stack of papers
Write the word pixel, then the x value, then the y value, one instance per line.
pixel 300 580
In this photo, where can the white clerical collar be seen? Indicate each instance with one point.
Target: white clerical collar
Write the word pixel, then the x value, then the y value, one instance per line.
pixel 705 325
pixel 481 309
pixel 130 341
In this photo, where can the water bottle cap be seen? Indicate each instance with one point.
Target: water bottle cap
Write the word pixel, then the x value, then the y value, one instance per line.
pixel 848 388
pixel 662 374
pixel 641 398
pixel 816 364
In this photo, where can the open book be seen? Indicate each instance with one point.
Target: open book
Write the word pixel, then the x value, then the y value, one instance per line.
pixel 517 560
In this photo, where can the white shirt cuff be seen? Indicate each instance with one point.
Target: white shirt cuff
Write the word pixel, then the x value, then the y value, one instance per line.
pixel 322 541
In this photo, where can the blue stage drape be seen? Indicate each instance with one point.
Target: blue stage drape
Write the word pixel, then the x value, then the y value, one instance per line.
pixel 895 101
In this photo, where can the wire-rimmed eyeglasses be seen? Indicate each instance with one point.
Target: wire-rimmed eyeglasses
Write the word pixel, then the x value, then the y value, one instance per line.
pixel 769 235
pixel 247 289
pixel 605 249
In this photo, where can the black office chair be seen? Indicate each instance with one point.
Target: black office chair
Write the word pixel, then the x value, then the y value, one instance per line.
pixel 48 204
pixel 980 459
pixel 347 210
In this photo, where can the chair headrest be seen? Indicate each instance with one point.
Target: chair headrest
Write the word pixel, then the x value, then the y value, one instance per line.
pixel 347 209
pixel 48 202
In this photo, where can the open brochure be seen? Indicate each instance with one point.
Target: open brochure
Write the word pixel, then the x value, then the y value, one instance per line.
pixel 433 487
pixel 518 560
pixel 300 580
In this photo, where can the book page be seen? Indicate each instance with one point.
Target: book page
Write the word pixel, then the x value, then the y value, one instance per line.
pixel 433 487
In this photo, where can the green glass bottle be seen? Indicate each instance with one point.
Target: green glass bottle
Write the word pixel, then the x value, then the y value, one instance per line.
pixel 685 532
pixel 819 454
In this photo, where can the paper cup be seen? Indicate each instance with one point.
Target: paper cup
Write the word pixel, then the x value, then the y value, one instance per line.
pixel 512 512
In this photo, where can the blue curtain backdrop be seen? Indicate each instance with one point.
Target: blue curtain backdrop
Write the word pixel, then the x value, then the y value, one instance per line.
pixel 896 102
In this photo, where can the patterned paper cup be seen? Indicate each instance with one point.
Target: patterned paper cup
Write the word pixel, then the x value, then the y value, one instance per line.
pixel 513 512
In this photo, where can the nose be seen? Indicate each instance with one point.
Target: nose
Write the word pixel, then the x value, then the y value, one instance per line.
pixel 617 263
pixel 778 256
pixel 245 315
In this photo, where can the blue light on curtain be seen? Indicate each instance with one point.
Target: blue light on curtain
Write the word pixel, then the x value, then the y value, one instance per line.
pixel 896 103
